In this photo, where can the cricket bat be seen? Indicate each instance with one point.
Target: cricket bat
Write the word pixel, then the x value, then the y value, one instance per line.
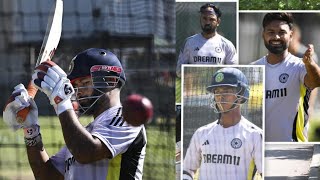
pixel 48 47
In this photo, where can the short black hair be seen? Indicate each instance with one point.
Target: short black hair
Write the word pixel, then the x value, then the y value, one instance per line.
pixel 216 9
pixel 269 17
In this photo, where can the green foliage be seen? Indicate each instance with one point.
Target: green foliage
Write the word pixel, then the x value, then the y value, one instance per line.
pixel 279 4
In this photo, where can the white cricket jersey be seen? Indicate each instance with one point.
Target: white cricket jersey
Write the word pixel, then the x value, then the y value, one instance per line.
pixel 286 100
pixel 199 50
pixel 233 153
pixel 126 143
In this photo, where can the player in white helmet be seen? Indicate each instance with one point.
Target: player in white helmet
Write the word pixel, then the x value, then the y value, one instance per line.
pixel 207 47
pixel 289 81
pixel 108 148
pixel 230 147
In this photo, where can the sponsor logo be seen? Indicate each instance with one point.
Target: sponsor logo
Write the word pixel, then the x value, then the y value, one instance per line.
pixel 283 78
pixel 213 60
pixel 196 49
pixel 221 159
pixel 68 163
pixel 105 68
pixel 236 143
pixel 276 93
pixel 205 143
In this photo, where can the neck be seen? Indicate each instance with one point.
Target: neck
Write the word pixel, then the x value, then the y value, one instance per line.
pixel 276 58
pixel 230 118
pixel 208 35
pixel 106 101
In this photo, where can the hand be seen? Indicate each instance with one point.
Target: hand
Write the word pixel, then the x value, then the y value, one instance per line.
pixel 52 80
pixel 18 100
pixel 307 58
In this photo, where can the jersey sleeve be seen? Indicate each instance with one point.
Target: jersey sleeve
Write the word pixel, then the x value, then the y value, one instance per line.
pixel 116 138
pixel 58 159
pixel 183 58
pixel 231 54
pixel 192 159
pixel 258 151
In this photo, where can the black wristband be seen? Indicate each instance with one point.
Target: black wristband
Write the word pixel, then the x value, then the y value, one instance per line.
pixel 33 141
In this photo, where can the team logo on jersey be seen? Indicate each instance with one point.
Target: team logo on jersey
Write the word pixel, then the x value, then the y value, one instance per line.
pixel 219 77
pixel 236 143
pixel 218 49
pixel 196 49
pixel 283 77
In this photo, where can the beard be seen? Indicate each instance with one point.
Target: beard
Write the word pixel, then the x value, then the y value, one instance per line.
pixel 207 28
pixel 279 49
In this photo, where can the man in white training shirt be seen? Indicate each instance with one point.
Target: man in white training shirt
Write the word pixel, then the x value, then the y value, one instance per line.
pixel 108 148
pixel 230 147
pixel 207 47
pixel 289 81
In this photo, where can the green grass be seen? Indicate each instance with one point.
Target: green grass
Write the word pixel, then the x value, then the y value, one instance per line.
pixel 159 162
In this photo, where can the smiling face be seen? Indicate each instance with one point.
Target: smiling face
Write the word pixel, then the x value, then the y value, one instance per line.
pixel 277 36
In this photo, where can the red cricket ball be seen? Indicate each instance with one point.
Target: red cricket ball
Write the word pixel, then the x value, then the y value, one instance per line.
pixel 137 110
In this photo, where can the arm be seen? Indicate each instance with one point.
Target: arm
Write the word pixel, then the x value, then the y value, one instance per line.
pixel 52 80
pixel 192 159
pixel 37 156
pixel 231 54
pixel 84 147
pixel 312 78
pixel 40 164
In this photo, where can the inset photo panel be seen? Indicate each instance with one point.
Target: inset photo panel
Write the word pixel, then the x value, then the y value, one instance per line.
pixel 288 44
pixel 205 34
pixel 222 118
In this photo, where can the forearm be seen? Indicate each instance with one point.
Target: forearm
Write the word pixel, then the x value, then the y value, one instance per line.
pixel 82 145
pixel 313 75
pixel 37 157
pixel 40 164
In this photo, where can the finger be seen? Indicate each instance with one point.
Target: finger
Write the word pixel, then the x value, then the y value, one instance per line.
pixel 41 76
pixel 55 68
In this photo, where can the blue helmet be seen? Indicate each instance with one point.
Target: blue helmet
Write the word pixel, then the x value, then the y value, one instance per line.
pixel 105 71
pixel 230 77
pixel 102 65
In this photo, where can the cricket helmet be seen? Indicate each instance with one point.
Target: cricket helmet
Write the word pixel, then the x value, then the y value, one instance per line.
pixel 231 77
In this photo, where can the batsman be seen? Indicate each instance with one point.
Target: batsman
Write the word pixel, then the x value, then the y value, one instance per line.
pixel 107 148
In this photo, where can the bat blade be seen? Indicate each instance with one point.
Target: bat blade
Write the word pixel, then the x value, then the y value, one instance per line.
pixel 48 47
pixel 53 33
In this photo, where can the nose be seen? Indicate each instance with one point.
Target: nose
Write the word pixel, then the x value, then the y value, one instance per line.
pixel 277 36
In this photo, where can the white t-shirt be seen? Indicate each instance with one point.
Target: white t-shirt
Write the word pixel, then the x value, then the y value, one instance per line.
pixel 286 100
pixel 233 153
pixel 199 50
pixel 126 143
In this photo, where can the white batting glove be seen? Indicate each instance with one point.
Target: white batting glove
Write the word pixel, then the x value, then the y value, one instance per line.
pixel 18 100
pixel 52 80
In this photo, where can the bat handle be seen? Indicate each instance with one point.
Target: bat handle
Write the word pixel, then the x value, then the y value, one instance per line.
pixel 23 113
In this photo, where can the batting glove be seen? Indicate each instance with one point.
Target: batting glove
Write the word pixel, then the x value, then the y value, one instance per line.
pixel 19 100
pixel 52 80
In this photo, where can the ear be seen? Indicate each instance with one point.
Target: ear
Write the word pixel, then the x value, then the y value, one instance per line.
pixel 291 35
pixel 219 20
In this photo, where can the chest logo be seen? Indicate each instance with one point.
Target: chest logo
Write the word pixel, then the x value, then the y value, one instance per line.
pixel 218 49
pixel 283 78
pixel 236 143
